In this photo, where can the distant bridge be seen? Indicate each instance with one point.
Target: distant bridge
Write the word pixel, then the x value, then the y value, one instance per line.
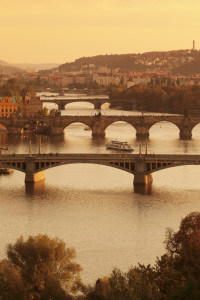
pixel 98 123
pixel 97 102
pixel 66 90
pixel 141 166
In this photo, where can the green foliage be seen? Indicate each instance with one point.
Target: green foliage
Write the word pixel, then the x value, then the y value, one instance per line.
pixel 175 276
pixel 44 112
pixel 160 97
pixel 12 88
pixel 52 112
pixel 39 268
pixel 43 268
pixel 27 90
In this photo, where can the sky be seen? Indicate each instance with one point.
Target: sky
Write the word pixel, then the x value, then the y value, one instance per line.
pixel 60 31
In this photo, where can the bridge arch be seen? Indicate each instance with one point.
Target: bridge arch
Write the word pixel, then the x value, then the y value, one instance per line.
pixel 117 166
pixel 3 127
pixel 81 103
pixel 34 126
pixel 119 123
pixel 195 130
pixel 77 125
pixel 163 127
pixel 21 167
pixel 162 166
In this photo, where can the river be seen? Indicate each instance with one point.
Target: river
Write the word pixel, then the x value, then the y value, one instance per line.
pixel 94 208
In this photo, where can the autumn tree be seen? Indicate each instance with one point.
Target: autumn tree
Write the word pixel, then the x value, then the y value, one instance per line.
pixel 44 112
pixel 39 268
pixel 28 90
pixel 175 276
pixel 184 245
pixel 178 271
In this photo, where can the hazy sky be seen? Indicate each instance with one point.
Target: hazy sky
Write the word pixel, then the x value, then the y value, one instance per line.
pixel 60 31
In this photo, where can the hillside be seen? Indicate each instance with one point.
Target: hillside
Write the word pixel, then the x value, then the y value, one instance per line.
pixel 36 67
pixel 3 63
pixel 184 62
pixel 189 68
pixel 9 70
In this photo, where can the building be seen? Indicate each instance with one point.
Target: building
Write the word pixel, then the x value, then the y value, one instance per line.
pixel 8 106
pixel 104 79
pixel 31 106
pixel 130 82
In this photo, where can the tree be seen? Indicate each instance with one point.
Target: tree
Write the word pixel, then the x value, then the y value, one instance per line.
pixel 52 112
pixel 185 244
pixel 183 247
pixel 27 90
pixel 39 268
pixel 175 276
pixel 43 112
pixel 136 284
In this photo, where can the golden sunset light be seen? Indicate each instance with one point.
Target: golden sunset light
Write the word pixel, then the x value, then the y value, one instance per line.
pixel 100 149
pixel 64 30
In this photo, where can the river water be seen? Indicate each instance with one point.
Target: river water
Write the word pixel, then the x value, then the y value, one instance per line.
pixel 94 208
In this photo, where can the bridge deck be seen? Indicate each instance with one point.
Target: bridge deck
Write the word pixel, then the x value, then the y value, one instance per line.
pixel 141 166
pixel 100 157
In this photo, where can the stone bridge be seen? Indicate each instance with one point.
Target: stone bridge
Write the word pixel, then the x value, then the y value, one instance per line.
pixel 141 166
pixel 97 102
pixel 98 123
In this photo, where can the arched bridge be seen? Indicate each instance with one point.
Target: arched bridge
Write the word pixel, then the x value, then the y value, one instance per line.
pixel 98 123
pixel 97 102
pixel 141 167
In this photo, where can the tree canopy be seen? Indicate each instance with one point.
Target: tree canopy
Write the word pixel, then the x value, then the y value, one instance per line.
pixel 39 268
pixel 43 268
pixel 175 276
pixel 161 97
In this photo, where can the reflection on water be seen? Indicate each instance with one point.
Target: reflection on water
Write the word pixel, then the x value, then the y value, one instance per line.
pixel 35 188
pixel 95 208
pixel 143 189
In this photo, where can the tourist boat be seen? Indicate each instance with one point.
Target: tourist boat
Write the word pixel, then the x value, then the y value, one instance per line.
pixel 4 170
pixel 119 146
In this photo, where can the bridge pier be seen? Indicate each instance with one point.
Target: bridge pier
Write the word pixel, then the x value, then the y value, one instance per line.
pixel 31 175
pixel 34 177
pixel 142 132
pixel 140 176
pixel 61 106
pixel 185 133
pixel 97 105
pixel 98 131
pixel 56 130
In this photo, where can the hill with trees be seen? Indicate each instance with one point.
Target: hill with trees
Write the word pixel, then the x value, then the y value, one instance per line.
pixel 9 70
pixel 182 62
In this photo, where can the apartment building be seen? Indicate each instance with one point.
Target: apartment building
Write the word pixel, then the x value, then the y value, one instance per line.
pixel 8 106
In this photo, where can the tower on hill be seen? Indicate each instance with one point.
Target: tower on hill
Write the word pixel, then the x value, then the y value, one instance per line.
pixel 193 45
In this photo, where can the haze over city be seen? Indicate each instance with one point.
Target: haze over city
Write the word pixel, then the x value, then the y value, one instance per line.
pixel 60 31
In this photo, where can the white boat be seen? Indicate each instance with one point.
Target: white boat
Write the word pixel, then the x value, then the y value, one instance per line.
pixel 119 146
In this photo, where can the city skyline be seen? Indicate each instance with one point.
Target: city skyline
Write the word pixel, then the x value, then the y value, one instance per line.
pixel 62 31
